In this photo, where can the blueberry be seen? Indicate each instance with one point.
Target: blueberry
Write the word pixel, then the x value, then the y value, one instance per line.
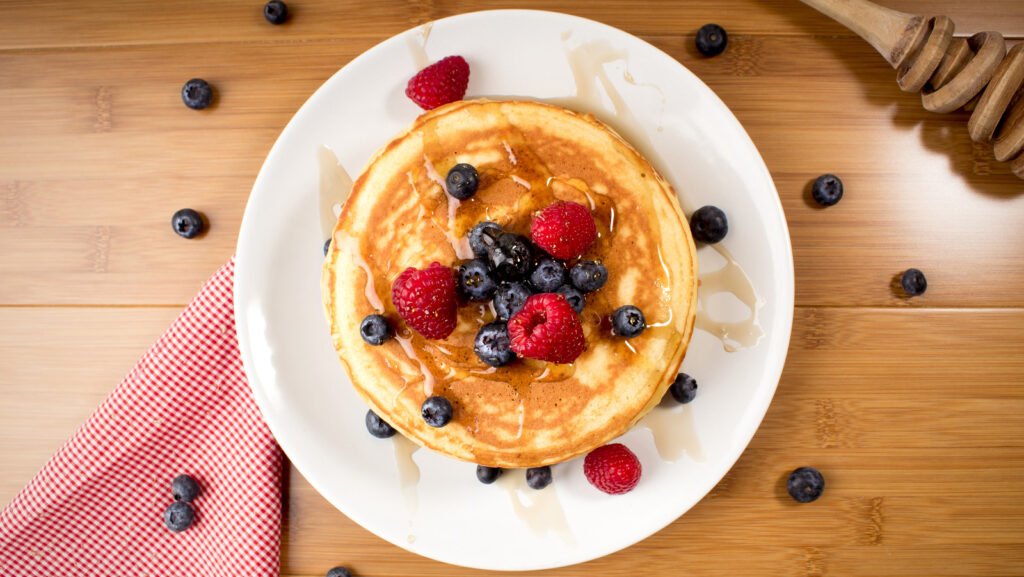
pixel 474 280
pixel 827 189
pixel 375 329
pixel 378 427
pixel 462 181
pixel 327 246
pixel 482 236
pixel 187 223
pixel 588 276
pixel 575 297
pixel 197 94
pixel 548 275
pixel 684 388
pixel 437 411
pixel 538 477
pixel 628 321
pixel 339 572
pixel 184 488
pixel 509 298
pixel 275 11
pixel 179 516
pixel 493 345
pixel 805 484
pixel 913 282
pixel 709 225
pixel 711 40
pixel 509 257
pixel 488 475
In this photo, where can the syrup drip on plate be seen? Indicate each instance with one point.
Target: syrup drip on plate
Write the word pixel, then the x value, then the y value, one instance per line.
pixel 408 477
pixel 541 511
pixel 335 186
pixel 732 279
pixel 674 432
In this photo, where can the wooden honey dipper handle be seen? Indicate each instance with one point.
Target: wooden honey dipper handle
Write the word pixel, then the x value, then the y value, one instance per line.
pixel 951 72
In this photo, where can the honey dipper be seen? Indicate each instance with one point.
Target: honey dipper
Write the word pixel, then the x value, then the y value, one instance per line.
pixel 977 74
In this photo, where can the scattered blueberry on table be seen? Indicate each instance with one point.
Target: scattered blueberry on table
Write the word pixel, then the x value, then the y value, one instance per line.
pixel 462 181
pixel 184 488
pixel 805 484
pixel 437 411
pixel 827 190
pixel 538 477
pixel 711 40
pixel 683 389
pixel 179 516
pixel 628 321
pixel 188 223
pixel 493 345
pixel 913 282
pixel 375 330
pixel 197 94
pixel 709 225
pixel 339 572
pixel 275 11
pixel 487 475
pixel 378 427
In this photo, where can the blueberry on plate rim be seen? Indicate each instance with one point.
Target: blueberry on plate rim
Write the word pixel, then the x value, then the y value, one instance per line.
pixel 628 321
pixel 437 411
pixel 488 475
pixel 462 181
pixel 711 40
pixel 375 330
pixel 377 426
pixel 197 94
pixel 188 223
pixel 538 477
pixel 709 225
pixel 805 484
pixel 683 389
pixel 827 190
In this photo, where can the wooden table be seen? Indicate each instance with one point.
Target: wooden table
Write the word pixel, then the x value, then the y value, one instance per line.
pixel 913 409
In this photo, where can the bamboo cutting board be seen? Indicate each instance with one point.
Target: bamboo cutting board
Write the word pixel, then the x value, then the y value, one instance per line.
pixel 913 409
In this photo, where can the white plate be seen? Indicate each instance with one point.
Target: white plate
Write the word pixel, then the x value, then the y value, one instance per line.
pixel 690 136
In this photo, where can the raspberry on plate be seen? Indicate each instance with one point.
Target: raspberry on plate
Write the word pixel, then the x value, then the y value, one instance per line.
pixel 564 229
pixel 547 329
pixel 426 301
pixel 613 469
pixel 440 83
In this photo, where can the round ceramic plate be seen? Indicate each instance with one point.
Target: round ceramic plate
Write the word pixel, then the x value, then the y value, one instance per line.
pixel 433 505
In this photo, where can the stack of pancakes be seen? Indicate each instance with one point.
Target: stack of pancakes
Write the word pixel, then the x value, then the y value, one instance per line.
pixel 528 155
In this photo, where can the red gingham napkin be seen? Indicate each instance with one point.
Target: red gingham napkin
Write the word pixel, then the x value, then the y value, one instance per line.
pixel 96 509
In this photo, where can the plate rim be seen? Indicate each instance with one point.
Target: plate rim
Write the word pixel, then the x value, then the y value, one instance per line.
pixel 773 366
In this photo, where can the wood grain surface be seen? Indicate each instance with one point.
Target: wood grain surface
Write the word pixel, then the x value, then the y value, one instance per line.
pixel 913 409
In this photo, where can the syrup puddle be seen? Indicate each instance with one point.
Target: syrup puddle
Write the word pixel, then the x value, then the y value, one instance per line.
pixel 731 278
pixel 335 185
pixel 541 511
pixel 408 478
pixel 674 432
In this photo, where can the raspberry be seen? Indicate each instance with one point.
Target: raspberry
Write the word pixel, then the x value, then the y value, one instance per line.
pixel 547 328
pixel 564 229
pixel 613 469
pixel 440 83
pixel 425 300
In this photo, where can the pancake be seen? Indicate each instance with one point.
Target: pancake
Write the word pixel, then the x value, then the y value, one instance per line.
pixel 528 154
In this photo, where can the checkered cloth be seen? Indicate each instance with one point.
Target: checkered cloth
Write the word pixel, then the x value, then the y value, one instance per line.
pixel 96 509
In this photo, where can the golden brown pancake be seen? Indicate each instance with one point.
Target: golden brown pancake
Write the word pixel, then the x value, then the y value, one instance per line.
pixel 528 155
